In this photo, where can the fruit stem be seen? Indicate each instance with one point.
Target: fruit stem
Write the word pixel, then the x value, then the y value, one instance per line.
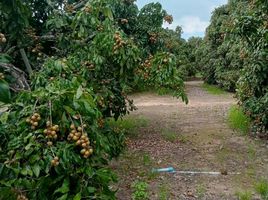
pixel 81 123
pixel 35 105
pixel 50 111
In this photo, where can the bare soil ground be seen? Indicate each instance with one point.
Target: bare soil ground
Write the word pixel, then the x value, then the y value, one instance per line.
pixel 193 137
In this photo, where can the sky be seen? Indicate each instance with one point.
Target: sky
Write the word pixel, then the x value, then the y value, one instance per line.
pixel 192 15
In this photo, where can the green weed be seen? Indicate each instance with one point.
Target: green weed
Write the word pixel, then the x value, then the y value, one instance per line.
pixel 164 91
pixel 169 136
pixel 244 195
pixel 130 125
pixel 200 190
pixel 163 192
pixel 262 189
pixel 251 151
pixel 140 190
pixel 147 160
pixel 238 120
pixel 212 89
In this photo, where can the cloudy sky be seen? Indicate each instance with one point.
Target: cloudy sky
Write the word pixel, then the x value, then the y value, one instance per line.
pixel 192 15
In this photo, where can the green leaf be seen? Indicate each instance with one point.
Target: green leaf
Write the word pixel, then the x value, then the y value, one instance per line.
pixel 108 13
pixel 4 92
pixel 4 117
pixel 64 188
pixel 24 171
pixel 91 189
pixel 79 92
pixel 69 110
pixel 36 170
pixel 63 197
pixel 77 196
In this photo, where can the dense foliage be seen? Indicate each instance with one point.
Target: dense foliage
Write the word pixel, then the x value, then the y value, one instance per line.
pixel 234 55
pixel 64 68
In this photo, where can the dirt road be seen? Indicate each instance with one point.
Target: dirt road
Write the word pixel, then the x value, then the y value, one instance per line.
pixel 193 137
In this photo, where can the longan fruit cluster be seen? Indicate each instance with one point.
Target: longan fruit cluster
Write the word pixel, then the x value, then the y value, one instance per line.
pixel 147 63
pixel 69 8
pixel 100 28
pixel 118 41
pixel 33 120
pixel 2 76
pixel 37 50
pixel 55 161
pixel 153 37
pixel 2 38
pixel 51 131
pixel 168 19
pixel 87 9
pixel 101 123
pixel 81 139
pixel 88 65
pixel 124 21
pixel 22 197
pixel 31 33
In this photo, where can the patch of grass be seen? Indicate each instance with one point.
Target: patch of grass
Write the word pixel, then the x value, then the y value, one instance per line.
pixel 251 152
pixel 244 195
pixel 169 136
pixel 212 89
pixel 147 160
pixel 262 189
pixel 164 91
pixel 182 138
pixel 130 125
pixel 140 190
pixel 198 75
pixel 200 190
pixel 139 163
pixel 163 192
pixel 238 120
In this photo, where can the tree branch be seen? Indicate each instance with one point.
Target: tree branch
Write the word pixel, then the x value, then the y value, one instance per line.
pixel 19 75
pixel 79 5
pixel 26 61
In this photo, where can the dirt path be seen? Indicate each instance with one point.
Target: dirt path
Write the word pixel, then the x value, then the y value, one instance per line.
pixel 191 137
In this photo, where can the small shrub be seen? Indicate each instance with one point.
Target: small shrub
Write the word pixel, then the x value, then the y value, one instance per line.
pixel 262 189
pixel 169 136
pixel 238 120
pixel 212 89
pixel 244 195
pixel 129 125
pixel 163 192
pixel 140 191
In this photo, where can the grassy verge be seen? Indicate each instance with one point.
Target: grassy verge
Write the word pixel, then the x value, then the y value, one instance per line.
pixel 238 120
pixel 261 188
pixel 130 125
pixel 212 89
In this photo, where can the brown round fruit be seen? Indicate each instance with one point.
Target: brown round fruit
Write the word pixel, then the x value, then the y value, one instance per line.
pixel 75 138
pixel 4 40
pixel 84 145
pixel 72 126
pixel 83 151
pixel 87 153
pixel 78 142
pixel 49 143
pixel 33 118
